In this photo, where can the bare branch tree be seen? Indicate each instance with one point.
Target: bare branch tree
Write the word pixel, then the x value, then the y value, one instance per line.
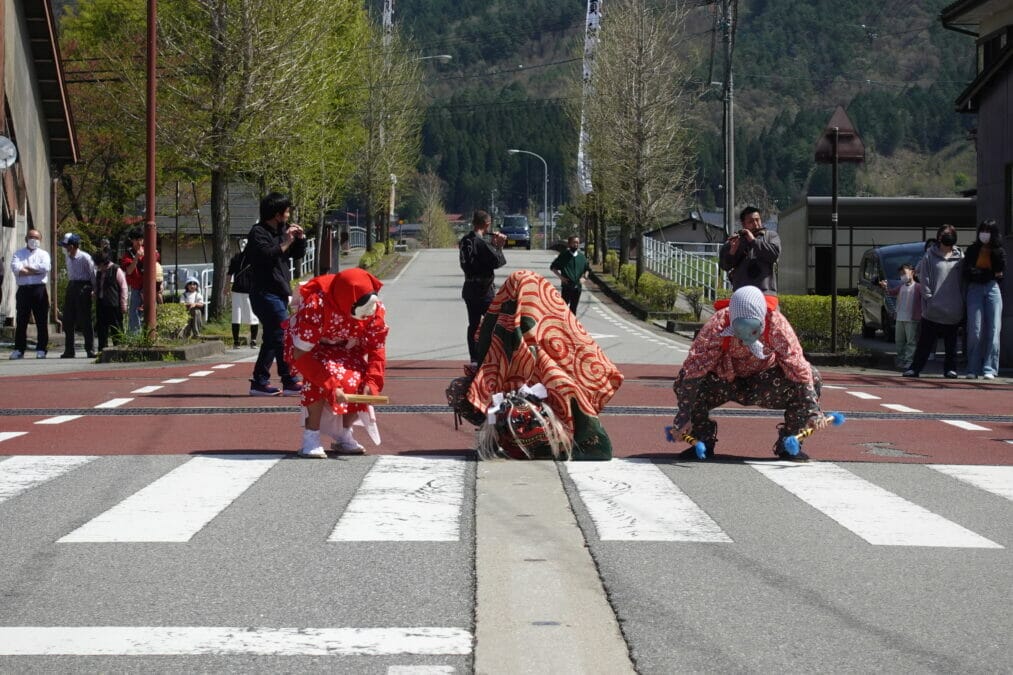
pixel 639 115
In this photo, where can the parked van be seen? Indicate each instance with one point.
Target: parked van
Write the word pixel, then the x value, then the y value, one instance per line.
pixel 879 310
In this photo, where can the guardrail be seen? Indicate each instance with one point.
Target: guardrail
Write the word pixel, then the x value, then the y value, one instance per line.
pixel 689 264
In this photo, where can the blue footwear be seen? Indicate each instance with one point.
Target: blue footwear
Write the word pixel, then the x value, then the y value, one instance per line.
pixel 292 389
pixel 17 354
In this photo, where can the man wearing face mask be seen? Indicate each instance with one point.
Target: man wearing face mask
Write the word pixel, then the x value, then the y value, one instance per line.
pixel 571 267
pixel 337 340
pixel 31 266
pixel 747 352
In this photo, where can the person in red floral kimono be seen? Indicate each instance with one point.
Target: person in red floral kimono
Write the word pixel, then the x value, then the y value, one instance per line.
pixel 747 352
pixel 336 339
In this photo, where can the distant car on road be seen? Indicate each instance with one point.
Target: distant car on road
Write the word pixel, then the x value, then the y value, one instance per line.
pixel 517 231
pixel 879 310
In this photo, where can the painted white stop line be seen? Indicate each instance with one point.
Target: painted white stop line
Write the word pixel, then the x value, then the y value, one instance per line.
pixel 220 640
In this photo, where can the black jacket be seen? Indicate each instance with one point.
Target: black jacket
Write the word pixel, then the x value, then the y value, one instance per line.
pixel 241 273
pixel 268 263
pixel 479 260
pixel 977 275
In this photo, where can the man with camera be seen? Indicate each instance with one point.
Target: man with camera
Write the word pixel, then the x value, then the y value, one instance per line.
pixel 750 255
pixel 272 243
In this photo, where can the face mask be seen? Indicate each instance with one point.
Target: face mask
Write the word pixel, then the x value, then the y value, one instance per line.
pixel 947 240
pixel 365 307
pixel 984 237
pixel 33 244
pixel 748 330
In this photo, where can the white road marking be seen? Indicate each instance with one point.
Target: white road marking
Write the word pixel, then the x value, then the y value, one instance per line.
pixel 833 386
pixel 202 373
pixel 900 408
pixel 22 472
pixel 995 479
pixel 59 419
pixel 633 500
pixel 863 395
pixel 114 403
pixel 969 426
pixel 420 670
pixel 8 435
pixel 221 641
pixel 175 380
pixel 151 388
pixel 222 366
pixel 179 504
pixel 406 499
pixel 597 336
pixel 876 515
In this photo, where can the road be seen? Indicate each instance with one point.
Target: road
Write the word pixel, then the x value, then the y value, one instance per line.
pixel 153 518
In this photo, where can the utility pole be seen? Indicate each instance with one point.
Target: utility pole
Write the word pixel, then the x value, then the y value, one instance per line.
pixel 729 11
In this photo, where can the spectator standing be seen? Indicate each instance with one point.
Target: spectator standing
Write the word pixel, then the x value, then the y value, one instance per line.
pixel 273 242
pixel 194 303
pixel 239 287
pixel 939 273
pixel 909 312
pixel 77 301
pixel 111 297
pixel 572 268
pixel 132 263
pixel 479 260
pixel 31 266
pixel 750 255
pixel 983 270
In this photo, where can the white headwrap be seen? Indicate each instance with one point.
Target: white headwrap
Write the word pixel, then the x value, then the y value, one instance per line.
pixel 748 314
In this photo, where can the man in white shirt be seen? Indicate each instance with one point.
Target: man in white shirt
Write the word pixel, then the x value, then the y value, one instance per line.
pixel 31 266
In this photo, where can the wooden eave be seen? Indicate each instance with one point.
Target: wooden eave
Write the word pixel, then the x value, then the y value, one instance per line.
pixel 45 54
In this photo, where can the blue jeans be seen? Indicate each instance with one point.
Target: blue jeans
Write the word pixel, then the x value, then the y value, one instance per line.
pixel 984 317
pixel 272 310
pixel 133 311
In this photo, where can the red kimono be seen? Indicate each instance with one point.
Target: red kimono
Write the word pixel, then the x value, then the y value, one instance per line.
pixel 342 351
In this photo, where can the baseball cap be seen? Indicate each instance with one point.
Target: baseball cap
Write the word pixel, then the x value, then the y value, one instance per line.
pixel 70 238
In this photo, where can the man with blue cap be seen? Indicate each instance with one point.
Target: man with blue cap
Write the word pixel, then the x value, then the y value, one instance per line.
pixel 747 352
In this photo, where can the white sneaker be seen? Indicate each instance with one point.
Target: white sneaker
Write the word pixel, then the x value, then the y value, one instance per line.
pixel 311 445
pixel 989 376
pixel 16 354
pixel 348 446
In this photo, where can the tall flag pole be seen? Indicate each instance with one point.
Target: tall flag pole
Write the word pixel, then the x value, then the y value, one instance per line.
pixel 594 14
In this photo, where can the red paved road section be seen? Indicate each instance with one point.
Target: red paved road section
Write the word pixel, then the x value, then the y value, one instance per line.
pixel 216 425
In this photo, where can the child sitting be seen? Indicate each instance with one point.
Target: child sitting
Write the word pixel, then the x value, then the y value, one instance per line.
pixel 194 303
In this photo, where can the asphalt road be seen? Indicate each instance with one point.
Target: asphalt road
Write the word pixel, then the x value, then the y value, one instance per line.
pixel 152 518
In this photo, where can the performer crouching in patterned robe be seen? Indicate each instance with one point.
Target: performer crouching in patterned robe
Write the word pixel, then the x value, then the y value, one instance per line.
pixel 747 352
pixel 337 340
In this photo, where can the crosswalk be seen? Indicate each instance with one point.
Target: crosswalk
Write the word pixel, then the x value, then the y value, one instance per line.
pixel 423 498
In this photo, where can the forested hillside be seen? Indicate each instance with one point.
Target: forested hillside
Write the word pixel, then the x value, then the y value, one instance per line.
pixel 514 83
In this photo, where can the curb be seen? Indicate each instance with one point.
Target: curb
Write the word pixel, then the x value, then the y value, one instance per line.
pixel 189 352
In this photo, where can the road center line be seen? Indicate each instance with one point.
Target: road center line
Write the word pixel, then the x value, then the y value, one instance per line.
pixel 151 388
pixel 59 419
pixel 900 408
pixel 8 435
pixel 175 380
pixel 863 395
pixel 179 504
pixel 220 640
pixel 202 373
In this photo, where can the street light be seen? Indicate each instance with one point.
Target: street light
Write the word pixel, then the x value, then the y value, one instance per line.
pixel 545 196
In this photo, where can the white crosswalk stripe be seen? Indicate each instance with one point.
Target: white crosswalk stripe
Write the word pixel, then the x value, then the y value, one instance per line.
pixel 23 472
pixel 179 504
pixel 416 499
pixel 874 514
pixel 406 499
pixel 632 500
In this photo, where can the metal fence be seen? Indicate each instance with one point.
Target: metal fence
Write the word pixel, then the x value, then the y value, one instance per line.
pixel 687 263
pixel 176 276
